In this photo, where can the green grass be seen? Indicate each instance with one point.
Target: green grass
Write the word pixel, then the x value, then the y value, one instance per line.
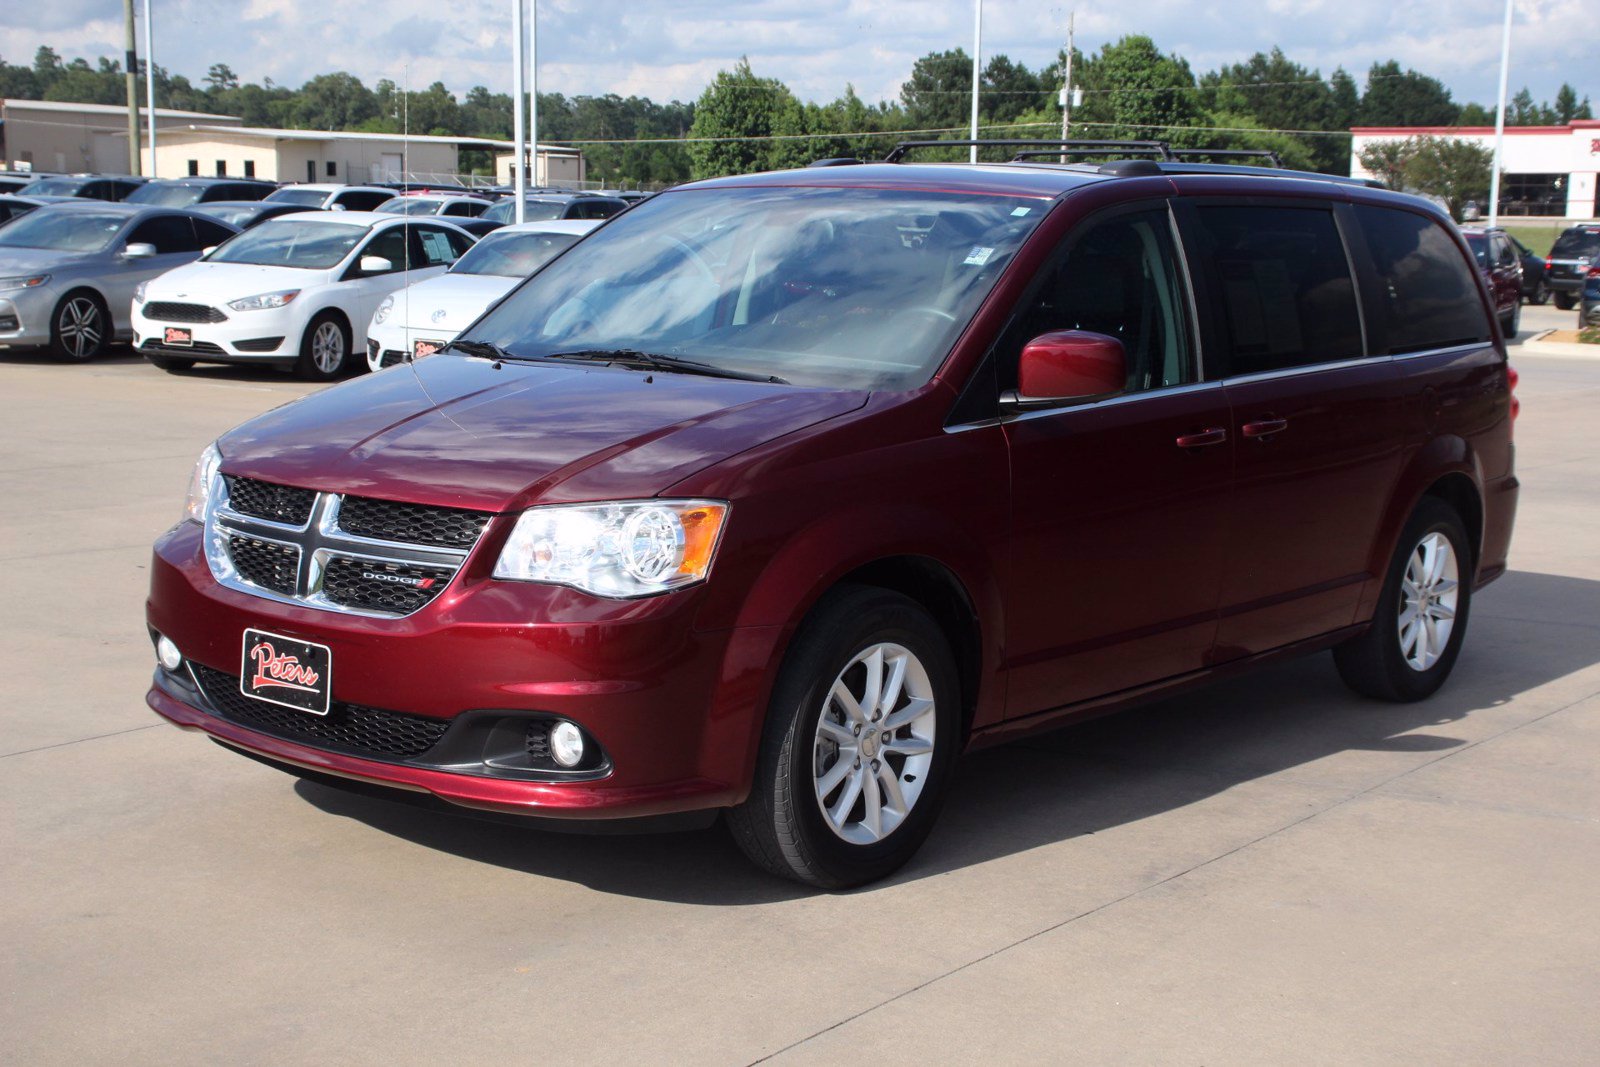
pixel 1538 236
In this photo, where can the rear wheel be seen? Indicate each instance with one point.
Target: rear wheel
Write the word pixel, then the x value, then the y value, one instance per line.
pixel 1565 301
pixel 80 328
pixel 1421 618
pixel 325 349
pixel 860 740
pixel 1541 293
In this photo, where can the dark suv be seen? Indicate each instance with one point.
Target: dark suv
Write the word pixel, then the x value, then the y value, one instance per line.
pixel 1575 251
pixel 187 192
pixel 776 493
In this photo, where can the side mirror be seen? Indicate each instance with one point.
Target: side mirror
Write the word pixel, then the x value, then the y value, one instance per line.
pixel 1071 365
pixel 337 207
pixel 375 265
pixel 207 251
pixel 139 250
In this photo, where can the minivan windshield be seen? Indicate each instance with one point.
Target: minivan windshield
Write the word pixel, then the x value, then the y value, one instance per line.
pixel 164 194
pixel 285 243
pixel 63 230
pixel 834 287
pixel 513 255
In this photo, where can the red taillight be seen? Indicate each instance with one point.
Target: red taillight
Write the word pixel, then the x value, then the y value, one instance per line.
pixel 1548 262
pixel 1593 272
pixel 1512 377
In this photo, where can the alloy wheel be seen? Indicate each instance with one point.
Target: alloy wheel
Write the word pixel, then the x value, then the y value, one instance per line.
pixel 1429 590
pixel 80 327
pixel 327 347
pixel 874 743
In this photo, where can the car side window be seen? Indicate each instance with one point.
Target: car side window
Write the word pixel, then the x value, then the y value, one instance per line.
pixel 459 243
pixel 363 201
pixel 1427 291
pixel 1281 291
pixel 436 248
pixel 169 233
pixel 1503 255
pixel 210 233
pixel 390 245
pixel 1120 278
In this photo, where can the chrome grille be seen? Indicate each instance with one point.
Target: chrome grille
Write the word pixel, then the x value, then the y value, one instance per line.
pixel 167 311
pixel 290 544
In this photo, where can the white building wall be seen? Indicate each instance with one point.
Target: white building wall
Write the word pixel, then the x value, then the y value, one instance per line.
pixel 1573 151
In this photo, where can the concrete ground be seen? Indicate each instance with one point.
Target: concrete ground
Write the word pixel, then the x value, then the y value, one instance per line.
pixel 1270 871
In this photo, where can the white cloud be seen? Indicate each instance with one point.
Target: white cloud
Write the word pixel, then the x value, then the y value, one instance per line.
pixel 670 50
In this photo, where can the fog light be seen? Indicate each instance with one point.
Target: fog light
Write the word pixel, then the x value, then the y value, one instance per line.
pixel 566 744
pixel 168 653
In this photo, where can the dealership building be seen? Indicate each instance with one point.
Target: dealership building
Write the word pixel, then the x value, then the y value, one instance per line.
pixel 52 135
pixel 1546 170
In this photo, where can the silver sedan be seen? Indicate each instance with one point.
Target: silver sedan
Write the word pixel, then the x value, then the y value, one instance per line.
pixel 68 270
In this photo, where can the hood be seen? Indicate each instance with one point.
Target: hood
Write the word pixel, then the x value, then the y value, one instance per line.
pixel 448 303
pixel 221 282
pixel 457 432
pixel 32 260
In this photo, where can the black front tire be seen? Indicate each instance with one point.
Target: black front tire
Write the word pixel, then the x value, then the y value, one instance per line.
pixel 781 826
pixel 309 366
pixel 1374 664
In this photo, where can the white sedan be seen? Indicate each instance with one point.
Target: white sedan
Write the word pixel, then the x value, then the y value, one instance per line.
pixel 423 317
pixel 436 204
pixel 291 293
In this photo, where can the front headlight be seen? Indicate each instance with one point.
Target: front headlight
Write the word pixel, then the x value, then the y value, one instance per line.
pixel 381 316
pixel 200 482
pixel 625 549
pixel 263 301
pixel 24 281
pixel 138 292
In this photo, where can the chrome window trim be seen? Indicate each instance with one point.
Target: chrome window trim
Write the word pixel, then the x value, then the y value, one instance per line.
pixel 315 542
pixel 1067 406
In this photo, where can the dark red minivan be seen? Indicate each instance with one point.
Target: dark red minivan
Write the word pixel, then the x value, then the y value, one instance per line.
pixel 777 493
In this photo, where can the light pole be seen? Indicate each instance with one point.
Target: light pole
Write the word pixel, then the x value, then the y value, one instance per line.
pixel 977 54
pixel 1066 85
pixel 533 91
pixel 1500 119
pixel 131 77
pixel 150 84
pixel 519 157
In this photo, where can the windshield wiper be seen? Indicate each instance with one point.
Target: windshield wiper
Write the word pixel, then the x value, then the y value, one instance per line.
pixel 486 349
pixel 656 361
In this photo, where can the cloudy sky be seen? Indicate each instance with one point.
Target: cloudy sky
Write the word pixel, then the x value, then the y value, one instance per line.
pixel 670 50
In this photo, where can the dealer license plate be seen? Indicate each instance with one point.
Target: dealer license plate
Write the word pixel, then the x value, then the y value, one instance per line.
pixel 287 671
pixel 425 348
pixel 178 337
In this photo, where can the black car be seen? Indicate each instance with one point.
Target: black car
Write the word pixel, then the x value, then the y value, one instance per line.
pixel 247 213
pixel 12 181
pixel 1575 251
pixel 544 206
pixel 110 187
pixel 188 192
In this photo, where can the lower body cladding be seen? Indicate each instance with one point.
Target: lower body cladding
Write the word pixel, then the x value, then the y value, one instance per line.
pixel 462 701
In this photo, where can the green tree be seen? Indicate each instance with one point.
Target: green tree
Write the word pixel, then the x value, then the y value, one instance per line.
pixel 333 102
pixel 1132 90
pixel 1008 90
pixel 1386 161
pixel 1473 114
pixel 221 78
pixel 741 110
pixel 1405 98
pixel 1453 170
pixel 938 95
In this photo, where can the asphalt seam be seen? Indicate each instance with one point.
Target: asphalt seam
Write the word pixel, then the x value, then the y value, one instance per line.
pixel 1170 878
pixel 80 740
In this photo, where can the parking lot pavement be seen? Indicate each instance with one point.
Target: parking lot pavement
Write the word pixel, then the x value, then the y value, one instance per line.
pixel 1267 871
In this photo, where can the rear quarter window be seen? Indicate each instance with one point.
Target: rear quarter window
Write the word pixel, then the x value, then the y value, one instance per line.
pixel 1426 294
pixel 1576 244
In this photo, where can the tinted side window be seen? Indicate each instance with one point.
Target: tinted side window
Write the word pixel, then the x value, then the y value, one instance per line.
pixel 459 243
pixel 1281 289
pixel 1428 297
pixel 390 245
pixel 169 233
pixel 210 233
pixel 363 201
pixel 1119 278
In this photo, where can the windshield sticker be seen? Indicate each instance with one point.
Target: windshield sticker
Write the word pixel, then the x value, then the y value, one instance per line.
pixel 978 256
pixel 1018 212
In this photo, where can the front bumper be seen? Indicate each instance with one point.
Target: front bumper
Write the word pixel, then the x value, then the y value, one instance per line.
pixel 675 710
pixel 267 337
pixel 25 316
pixel 391 342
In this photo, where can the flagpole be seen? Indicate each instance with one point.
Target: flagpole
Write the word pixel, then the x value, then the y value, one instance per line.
pixel 977 60
pixel 1500 119
pixel 519 139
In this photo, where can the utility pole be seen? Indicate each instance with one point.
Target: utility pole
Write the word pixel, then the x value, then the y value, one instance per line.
pixel 150 84
pixel 1066 85
pixel 977 70
pixel 131 61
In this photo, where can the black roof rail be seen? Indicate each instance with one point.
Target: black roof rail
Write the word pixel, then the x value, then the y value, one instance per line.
pixel 1157 148
pixel 836 161
pixel 1267 154
pixel 1266 172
